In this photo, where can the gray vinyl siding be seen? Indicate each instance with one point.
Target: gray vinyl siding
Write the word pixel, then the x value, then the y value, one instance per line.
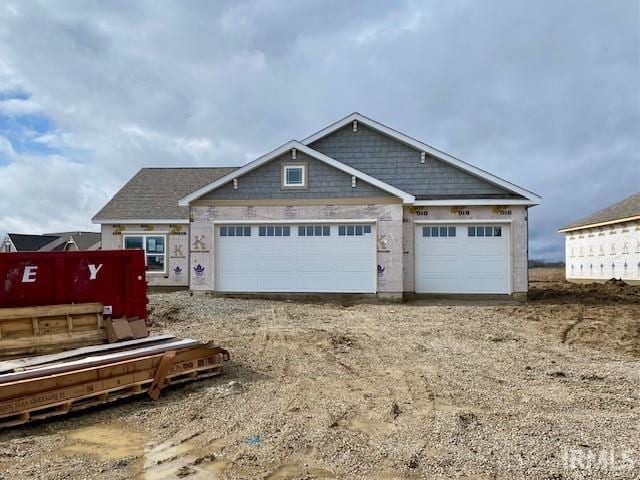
pixel 399 165
pixel 324 181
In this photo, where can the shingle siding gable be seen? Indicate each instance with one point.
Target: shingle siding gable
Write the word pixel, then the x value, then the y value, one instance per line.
pixel 398 164
pixel 324 181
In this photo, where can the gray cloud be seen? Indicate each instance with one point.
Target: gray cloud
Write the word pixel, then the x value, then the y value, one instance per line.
pixel 548 98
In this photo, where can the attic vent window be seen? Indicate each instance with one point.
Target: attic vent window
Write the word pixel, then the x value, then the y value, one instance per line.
pixel 294 176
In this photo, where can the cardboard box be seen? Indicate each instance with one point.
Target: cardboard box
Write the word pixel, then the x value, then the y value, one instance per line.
pixel 118 329
pixel 138 327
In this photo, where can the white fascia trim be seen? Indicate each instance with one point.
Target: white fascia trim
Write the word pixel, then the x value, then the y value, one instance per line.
pixel 406 197
pixel 470 221
pixel 423 147
pixel 455 203
pixel 183 221
pixel 294 222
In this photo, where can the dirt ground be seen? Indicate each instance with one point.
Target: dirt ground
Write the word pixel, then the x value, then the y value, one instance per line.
pixel 547 389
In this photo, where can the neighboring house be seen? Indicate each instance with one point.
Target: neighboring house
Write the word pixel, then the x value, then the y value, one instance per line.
pixel 63 241
pixel 355 208
pixel 605 244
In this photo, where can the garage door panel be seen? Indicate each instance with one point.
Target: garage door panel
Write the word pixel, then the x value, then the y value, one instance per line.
pixel 236 264
pixel 352 246
pixel 314 284
pixel 310 265
pixel 353 263
pixel 279 264
pixel 484 250
pixel 350 284
pixel 494 261
pixel 272 283
pixel 310 248
pixel 235 283
pixel 440 284
pixel 461 263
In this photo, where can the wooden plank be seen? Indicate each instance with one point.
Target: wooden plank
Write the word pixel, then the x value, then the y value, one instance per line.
pixel 52 342
pixel 27 362
pixel 97 360
pixel 83 319
pixel 160 375
pixel 18 326
pixel 50 310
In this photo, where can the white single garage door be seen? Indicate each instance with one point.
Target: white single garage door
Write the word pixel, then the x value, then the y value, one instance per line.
pixel 319 258
pixel 462 258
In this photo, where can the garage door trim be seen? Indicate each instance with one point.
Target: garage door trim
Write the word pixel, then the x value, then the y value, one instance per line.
pixel 467 221
pixel 293 221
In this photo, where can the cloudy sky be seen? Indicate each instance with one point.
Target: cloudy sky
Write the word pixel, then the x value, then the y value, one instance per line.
pixel 548 98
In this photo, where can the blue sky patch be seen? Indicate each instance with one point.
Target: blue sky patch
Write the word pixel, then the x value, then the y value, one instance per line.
pixel 22 130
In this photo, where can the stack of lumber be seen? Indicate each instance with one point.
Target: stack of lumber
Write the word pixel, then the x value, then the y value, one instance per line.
pixel 50 328
pixel 48 385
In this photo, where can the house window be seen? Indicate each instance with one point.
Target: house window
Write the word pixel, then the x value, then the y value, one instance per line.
pixel 314 231
pixel 154 251
pixel 484 231
pixel 235 231
pixel 438 231
pixel 294 176
pixel 353 230
pixel 274 231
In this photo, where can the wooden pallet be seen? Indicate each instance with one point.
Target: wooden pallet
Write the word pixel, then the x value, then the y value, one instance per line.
pixel 38 397
pixel 50 328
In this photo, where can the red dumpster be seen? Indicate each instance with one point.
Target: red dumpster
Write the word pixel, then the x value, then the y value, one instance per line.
pixel 115 278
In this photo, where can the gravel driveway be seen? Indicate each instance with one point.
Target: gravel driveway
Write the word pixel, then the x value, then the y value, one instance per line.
pixel 321 390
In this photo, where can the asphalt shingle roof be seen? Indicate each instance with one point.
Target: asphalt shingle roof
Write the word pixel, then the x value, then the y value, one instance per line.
pixel 30 243
pixel 83 240
pixel 153 193
pixel 629 207
pixel 53 241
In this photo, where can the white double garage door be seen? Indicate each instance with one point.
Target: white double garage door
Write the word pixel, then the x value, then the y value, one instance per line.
pixel 317 257
pixel 341 258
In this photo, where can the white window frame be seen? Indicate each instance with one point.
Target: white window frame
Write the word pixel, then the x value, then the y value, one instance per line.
pixel 355 227
pixel 144 248
pixel 287 167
